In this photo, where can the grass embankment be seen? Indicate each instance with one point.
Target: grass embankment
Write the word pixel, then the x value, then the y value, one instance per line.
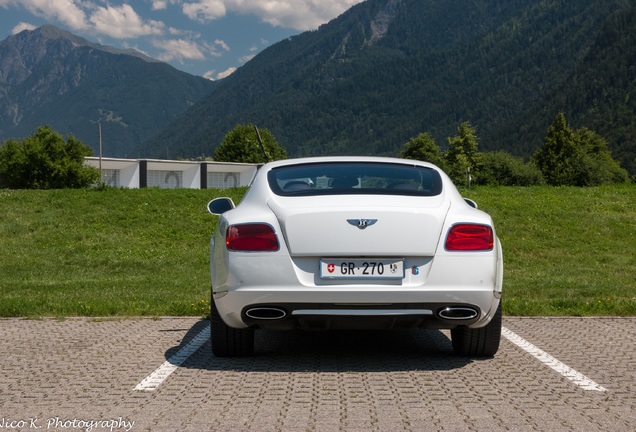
pixel 144 252
pixel 567 251
pixel 101 253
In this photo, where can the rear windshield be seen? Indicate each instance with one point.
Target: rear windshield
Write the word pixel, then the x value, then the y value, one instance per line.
pixel 338 178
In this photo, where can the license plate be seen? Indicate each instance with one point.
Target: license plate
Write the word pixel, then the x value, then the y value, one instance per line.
pixel 376 268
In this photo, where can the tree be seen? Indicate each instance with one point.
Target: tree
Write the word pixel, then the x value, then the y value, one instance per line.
pixel 242 144
pixel 596 165
pixel 576 158
pixel 45 161
pixel 503 169
pixel 554 158
pixel 462 153
pixel 423 148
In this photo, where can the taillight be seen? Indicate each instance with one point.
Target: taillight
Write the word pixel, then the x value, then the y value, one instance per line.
pixel 470 237
pixel 251 237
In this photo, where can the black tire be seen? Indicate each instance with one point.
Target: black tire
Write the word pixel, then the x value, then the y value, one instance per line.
pixel 227 341
pixel 479 342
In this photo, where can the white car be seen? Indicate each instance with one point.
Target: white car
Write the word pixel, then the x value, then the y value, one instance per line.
pixel 354 243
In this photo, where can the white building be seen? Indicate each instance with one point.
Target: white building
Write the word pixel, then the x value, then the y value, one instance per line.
pixel 167 174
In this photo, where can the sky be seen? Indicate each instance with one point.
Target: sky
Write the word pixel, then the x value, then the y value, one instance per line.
pixel 209 38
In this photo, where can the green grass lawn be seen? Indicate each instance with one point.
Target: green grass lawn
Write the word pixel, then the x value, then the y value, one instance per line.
pixel 144 252
pixel 101 253
pixel 567 251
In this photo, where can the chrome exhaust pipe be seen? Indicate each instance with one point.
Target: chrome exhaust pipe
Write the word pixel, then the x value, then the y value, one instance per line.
pixel 458 313
pixel 266 313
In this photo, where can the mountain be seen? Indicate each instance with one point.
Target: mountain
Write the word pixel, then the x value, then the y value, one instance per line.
pixel 49 76
pixel 387 70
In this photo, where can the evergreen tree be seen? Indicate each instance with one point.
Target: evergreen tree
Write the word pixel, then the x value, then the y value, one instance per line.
pixel 242 144
pixel 554 158
pixel 576 158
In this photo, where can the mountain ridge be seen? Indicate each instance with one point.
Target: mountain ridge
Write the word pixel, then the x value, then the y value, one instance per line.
pixel 50 76
pixel 51 32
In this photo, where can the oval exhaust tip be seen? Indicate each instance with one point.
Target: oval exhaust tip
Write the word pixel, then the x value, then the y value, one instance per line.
pixel 266 313
pixel 458 313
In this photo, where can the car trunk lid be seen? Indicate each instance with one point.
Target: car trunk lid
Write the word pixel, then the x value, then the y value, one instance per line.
pixel 361 225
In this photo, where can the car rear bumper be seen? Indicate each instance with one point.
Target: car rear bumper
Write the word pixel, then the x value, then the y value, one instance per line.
pixel 292 286
pixel 355 309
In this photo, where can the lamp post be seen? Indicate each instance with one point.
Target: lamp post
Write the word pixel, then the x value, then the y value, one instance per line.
pixel 99 132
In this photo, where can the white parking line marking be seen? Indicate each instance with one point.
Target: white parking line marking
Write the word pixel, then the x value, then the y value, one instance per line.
pixel 579 379
pixel 154 380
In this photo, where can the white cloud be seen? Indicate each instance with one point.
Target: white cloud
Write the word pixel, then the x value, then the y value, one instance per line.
pixel 65 11
pixel 226 73
pixel 122 22
pixel 204 10
pixel 176 32
pixel 213 76
pixel 246 58
pixel 159 4
pixel 178 49
pixel 295 14
pixel 221 44
pixel 209 75
pixel 119 22
pixel 21 27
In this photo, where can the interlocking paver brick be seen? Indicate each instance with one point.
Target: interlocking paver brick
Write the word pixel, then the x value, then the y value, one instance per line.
pixel 86 369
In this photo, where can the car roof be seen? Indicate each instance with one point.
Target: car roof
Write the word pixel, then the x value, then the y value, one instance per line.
pixel 324 159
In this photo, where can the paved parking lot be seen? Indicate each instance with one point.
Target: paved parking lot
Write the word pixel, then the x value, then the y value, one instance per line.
pixel 82 374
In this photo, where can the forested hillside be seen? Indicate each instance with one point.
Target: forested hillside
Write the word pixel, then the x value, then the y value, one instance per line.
pixel 601 94
pixel 387 70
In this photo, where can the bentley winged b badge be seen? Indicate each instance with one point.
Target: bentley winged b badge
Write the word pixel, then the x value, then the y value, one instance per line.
pixel 362 223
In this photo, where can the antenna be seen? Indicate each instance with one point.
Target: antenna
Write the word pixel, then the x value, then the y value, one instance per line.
pixel 260 141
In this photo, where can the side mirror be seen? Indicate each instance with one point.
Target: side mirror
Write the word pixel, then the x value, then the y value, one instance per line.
pixel 471 203
pixel 220 205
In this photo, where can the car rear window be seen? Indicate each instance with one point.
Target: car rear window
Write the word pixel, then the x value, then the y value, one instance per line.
pixel 338 178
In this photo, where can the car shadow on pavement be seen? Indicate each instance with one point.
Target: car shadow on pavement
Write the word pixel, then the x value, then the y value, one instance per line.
pixel 331 351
